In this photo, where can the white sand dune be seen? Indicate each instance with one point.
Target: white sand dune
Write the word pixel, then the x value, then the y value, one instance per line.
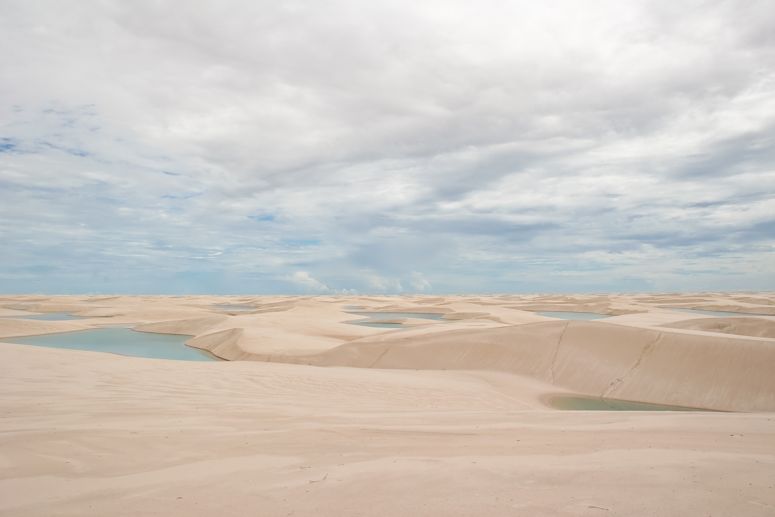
pixel 443 417
pixel 755 327
pixel 715 372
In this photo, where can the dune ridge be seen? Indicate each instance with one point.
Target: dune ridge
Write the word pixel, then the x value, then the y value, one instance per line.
pixel 754 327
pixel 597 359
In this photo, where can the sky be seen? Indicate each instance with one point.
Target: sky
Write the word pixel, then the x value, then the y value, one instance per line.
pixel 251 147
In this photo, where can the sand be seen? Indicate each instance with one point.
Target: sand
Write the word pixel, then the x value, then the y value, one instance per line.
pixel 317 416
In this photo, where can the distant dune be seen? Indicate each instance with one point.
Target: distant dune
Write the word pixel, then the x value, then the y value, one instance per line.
pixel 756 327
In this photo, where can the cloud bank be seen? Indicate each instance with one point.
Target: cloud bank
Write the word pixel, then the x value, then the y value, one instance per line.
pixel 273 147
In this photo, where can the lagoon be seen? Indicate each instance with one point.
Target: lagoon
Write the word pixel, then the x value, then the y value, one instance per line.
pixel 122 341
pixel 234 307
pixel 572 315
pixel 378 324
pixel 582 403
pixel 387 320
pixel 719 314
pixel 48 316
pixel 399 315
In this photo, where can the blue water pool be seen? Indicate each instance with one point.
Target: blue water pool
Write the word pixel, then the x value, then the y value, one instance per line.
pixel 234 307
pixel 121 341
pixel 378 324
pixel 49 316
pixel 399 315
pixel 570 315
pixel 386 320
pixel 719 314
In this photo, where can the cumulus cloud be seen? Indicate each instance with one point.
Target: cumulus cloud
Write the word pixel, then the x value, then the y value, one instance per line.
pixel 307 281
pixel 232 145
pixel 381 284
pixel 419 282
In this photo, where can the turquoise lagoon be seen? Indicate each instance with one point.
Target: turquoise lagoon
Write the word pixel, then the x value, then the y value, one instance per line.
pixel 122 341
pixel 571 315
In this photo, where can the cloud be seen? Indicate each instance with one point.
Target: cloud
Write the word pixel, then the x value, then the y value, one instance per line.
pixel 380 283
pixel 497 147
pixel 419 282
pixel 308 282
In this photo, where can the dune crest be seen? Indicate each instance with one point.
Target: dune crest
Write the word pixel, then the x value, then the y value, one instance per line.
pixel 597 359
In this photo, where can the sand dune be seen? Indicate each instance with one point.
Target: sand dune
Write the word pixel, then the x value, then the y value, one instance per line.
pixel 756 327
pixel 441 417
pixel 592 358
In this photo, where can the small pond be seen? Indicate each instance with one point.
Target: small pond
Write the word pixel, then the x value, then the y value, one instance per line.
pixel 399 315
pixel 387 320
pixel 234 307
pixel 122 341
pixel 719 314
pixel 378 324
pixel 581 403
pixel 48 316
pixel 572 315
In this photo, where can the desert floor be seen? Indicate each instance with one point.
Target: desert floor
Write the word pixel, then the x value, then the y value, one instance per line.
pixel 315 415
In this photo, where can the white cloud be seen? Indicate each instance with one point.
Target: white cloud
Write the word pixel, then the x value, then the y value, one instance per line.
pixel 309 282
pixel 419 282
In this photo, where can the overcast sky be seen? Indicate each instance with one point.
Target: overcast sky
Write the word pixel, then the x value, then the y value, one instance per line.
pixel 386 146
